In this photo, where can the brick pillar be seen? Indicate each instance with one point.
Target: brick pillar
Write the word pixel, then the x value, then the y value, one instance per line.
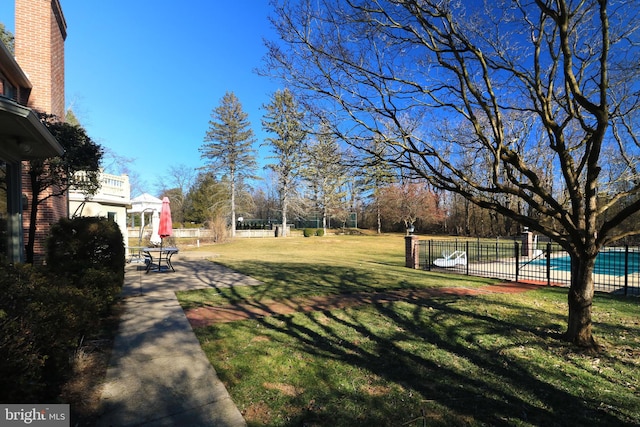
pixel 527 244
pixel 411 252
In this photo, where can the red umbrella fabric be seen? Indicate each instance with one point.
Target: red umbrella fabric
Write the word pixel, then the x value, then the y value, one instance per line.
pixel 165 228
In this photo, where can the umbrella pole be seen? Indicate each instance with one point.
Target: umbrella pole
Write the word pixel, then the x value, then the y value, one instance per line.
pixel 160 257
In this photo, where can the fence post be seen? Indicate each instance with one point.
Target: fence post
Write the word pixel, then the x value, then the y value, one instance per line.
pixel 517 253
pixel 626 269
pixel 467 249
pixel 411 252
pixel 428 261
pixel 549 264
pixel 527 244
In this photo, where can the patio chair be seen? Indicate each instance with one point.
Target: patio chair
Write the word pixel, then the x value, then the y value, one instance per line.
pixel 451 260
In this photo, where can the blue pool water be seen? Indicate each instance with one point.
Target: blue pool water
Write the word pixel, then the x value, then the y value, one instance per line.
pixel 609 262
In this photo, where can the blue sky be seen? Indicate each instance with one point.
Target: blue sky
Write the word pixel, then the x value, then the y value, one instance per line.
pixel 143 76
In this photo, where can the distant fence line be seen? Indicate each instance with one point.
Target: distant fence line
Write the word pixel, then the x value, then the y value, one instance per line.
pixel 203 233
pixel 134 233
pixel 617 268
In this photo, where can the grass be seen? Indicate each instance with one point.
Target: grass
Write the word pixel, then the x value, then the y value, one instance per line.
pixel 492 359
pixel 329 265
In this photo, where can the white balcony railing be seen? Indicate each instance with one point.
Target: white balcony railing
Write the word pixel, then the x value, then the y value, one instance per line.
pixel 112 188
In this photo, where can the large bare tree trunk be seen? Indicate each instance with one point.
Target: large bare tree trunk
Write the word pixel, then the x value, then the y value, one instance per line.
pixel 581 301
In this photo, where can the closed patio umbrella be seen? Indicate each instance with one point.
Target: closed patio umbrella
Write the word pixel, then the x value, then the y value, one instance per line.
pixel 155 224
pixel 165 228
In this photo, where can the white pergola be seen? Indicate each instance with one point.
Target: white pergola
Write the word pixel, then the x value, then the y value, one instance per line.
pixel 144 204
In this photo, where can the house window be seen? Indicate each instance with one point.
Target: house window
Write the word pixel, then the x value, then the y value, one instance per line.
pixel 111 216
pixel 7 89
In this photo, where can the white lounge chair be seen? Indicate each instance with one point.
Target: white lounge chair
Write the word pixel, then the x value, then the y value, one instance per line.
pixel 451 260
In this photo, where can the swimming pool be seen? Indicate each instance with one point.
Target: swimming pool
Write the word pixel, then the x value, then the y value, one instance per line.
pixel 608 262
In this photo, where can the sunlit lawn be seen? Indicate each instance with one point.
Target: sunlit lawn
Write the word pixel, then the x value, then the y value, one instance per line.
pixel 483 360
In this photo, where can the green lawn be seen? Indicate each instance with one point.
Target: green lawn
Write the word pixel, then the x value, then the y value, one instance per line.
pixel 493 359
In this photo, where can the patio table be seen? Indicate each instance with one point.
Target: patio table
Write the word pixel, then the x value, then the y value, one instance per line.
pixel 165 255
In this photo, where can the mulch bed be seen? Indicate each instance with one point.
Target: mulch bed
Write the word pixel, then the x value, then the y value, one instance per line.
pixel 204 316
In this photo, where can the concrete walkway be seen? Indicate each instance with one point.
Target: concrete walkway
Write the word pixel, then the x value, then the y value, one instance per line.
pixel 158 374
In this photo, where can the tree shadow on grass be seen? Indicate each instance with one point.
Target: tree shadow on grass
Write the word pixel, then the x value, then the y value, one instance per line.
pixel 288 280
pixel 492 392
pixel 475 382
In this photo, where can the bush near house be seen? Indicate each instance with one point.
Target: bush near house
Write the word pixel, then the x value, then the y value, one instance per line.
pixel 46 311
pixel 80 243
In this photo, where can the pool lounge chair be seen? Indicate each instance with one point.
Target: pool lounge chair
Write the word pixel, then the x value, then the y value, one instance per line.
pixel 451 260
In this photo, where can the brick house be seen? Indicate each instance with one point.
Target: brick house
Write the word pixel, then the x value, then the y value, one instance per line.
pixel 33 81
pixel 22 137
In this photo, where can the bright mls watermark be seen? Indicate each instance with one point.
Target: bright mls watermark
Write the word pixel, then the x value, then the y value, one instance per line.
pixel 41 415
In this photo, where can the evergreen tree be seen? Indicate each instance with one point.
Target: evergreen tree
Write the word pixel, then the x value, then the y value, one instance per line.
pixel 375 174
pixel 228 147
pixel 207 199
pixel 285 121
pixel 326 174
pixel 7 38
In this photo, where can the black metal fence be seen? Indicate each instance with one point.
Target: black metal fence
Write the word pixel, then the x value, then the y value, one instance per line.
pixel 617 268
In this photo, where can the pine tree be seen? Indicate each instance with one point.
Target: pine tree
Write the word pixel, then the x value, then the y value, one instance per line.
pixel 326 174
pixel 375 174
pixel 228 147
pixel 7 38
pixel 285 121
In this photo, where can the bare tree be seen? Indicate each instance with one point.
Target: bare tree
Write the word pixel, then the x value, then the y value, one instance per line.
pixel 409 202
pixel 181 179
pixel 265 199
pixel 513 76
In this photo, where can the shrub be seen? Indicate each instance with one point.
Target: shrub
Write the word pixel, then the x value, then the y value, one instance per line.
pixel 22 357
pixel 105 295
pixel 59 315
pixel 190 224
pixel 89 252
pixel 218 226
pixel 45 312
pixel 320 232
pixel 22 362
pixel 43 318
pixel 80 243
pixel 308 232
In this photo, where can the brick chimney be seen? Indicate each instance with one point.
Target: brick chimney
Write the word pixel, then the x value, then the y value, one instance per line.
pixel 40 32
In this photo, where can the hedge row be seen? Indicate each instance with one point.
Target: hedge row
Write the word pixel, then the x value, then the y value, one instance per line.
pixel 45 311
pixel 308 232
